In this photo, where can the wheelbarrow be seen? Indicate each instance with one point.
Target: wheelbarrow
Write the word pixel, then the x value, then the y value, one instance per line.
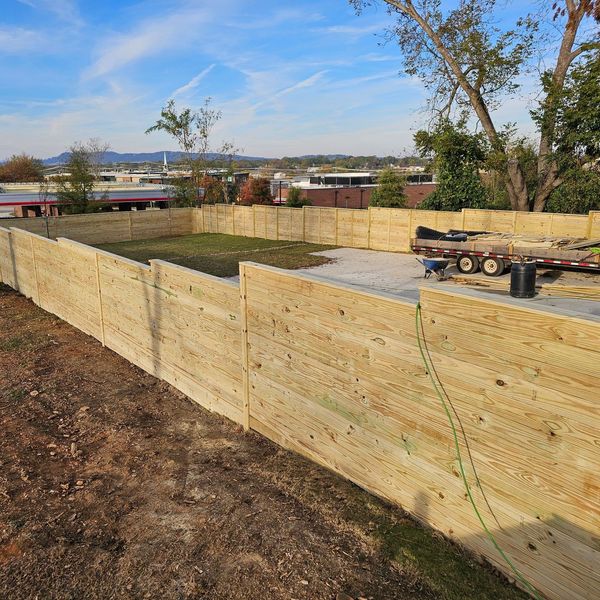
pixel 436 265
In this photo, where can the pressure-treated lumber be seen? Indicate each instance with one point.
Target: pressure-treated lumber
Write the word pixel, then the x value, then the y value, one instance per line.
pixel 110 227
pixel 180 325
pixel 388 229
pixel 334 373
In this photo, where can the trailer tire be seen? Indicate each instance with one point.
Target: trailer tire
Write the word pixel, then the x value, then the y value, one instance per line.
pixel 492 267
pixel 467 264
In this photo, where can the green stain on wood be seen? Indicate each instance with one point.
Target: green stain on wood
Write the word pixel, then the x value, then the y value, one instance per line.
pixel 155 286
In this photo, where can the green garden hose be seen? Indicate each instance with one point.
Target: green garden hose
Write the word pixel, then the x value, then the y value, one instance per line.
pixel 429 369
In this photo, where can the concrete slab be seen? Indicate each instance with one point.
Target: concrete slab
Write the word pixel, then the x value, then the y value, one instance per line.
pixel 402 275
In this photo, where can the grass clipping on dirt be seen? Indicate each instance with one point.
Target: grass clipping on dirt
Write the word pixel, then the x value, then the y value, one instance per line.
pixel 219 254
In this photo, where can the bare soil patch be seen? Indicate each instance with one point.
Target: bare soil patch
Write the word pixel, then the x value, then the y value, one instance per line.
pixel 114 485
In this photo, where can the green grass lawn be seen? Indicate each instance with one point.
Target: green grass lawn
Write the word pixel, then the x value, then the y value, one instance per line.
pixel 219 254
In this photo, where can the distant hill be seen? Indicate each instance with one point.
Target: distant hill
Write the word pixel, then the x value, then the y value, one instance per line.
pixel 338 161
pixel 138 157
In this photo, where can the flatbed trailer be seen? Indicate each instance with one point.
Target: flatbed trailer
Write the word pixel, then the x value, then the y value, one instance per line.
pixel 493 253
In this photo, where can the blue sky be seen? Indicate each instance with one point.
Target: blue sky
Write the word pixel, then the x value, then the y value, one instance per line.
pixel 291 78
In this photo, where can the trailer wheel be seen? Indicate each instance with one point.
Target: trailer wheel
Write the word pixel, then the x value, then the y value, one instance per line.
pixel 467 264
pixel 492 267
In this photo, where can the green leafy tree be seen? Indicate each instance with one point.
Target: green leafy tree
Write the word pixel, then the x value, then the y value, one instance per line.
pixel 579 193
pixel 457 156
pixel 257 190
pixel 295 198
pixel 576 152
pixel 77 191
pixel 193 132
pixel 467 63
pixel 21 168
pixel 389 192
pixel 213 190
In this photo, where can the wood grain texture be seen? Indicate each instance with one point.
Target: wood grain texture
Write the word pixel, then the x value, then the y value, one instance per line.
pixel 335 375
pixel 179 325
pixel 111 227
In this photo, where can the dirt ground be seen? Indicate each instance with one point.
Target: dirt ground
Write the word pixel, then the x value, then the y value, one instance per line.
pixel 114 485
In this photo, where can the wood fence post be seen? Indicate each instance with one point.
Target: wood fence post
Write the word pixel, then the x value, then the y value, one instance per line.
pixel 277 222
pixel 100 307
pixel 35 273
pixel 410 228
pixel 320 217
pixel 304 223
pixel 245 360
pixel 588 231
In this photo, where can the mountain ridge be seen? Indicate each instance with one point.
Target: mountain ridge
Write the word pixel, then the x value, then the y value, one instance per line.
pixel 172 156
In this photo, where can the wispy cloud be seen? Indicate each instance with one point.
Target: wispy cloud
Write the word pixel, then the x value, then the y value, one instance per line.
pixel 148 39
pixel 290 89
pixel 14 40
pixel 193 83
pixel 305 83
pixel 374 57
pixel 65 10
pixel 353 30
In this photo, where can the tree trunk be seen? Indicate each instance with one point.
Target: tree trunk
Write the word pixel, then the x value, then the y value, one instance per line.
pixel 516 184
pixel 548 175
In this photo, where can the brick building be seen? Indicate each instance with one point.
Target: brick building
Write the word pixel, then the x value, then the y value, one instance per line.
pixel 358 196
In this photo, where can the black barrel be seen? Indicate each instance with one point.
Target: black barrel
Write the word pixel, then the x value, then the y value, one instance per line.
pixel 522 279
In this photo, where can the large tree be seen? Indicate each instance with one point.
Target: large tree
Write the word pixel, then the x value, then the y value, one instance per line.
pixel 21 168
pixel 389 192
pixel 577 151
pixel 77 190
pixel 457 157
pixel 467 62
pixel 193 132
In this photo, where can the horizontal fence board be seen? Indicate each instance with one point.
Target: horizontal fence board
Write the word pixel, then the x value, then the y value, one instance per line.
pixel 387 229
pixel 119 226
pixel 334 372
pixel 335 375
pixel 67 283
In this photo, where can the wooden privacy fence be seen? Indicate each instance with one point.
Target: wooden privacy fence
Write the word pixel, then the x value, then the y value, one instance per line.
pixel 376 228
pixel 380 228
pixel 104 228
pixel 334 373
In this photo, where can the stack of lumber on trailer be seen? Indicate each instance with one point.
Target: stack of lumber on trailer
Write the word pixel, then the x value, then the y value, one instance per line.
pixel 572 249
pixel 335 373
pixel 573 289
